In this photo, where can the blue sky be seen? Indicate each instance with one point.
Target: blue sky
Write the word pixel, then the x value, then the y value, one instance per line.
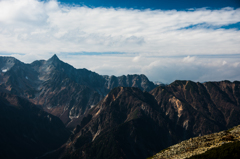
pixel 165 40
pixel 157 4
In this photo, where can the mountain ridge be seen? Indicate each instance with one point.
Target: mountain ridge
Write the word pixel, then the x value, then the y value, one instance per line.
pixel 61 89
pixel 181 99
pixel 185 108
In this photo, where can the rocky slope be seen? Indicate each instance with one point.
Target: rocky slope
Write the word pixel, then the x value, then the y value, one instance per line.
pixel 125 124
pixel 200 108
pixel 133 124
pixel 26 130
pixel 208 146
pixel 61 89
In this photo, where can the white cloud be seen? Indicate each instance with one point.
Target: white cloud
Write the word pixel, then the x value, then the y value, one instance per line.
pixel 164 69
pixel 39 29
pixel 47 27
pixel 188 59
pixel 136 58
pixel 224 63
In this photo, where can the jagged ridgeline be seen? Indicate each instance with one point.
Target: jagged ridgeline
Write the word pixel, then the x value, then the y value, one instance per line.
pixel 61 89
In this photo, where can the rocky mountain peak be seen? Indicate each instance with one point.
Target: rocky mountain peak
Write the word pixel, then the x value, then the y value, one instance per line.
pixel 63 90
pixel 54 57
pixel 7 62
pixel 54 60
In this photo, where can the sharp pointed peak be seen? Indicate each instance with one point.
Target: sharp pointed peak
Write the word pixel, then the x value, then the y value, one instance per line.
pixel 54 58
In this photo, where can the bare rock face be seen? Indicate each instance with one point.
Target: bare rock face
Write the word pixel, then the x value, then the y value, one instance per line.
pixel 26 130
pixel 61 89
pixel 200 108
pixel 139 81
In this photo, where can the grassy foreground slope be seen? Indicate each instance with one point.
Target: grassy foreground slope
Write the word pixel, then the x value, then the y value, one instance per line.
pixel 221 145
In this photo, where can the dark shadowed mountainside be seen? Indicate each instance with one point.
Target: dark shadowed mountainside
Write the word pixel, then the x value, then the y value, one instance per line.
pixel 26 130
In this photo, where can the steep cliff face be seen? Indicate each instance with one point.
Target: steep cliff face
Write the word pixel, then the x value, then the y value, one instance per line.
pixel 61 89
pixel 139 81
pixel 226 96
pixel 26 130
pixel 125 124
pixel 200 108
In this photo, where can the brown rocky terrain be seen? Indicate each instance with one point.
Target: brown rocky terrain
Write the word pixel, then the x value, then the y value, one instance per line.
pixel 200 108
pixel 200 145
pixel 125 124
pixel 185 108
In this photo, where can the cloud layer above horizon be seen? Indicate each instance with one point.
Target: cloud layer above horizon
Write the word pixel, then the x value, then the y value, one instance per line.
pixel 135 41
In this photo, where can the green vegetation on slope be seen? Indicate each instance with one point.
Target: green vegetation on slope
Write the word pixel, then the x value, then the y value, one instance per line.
pixel 226 151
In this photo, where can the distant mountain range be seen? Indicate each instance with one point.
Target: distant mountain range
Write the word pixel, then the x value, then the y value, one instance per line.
pixel 111 117
pixel 61 89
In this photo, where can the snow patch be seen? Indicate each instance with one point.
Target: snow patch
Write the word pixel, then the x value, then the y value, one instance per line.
pixel 4 70
pixel 158 83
